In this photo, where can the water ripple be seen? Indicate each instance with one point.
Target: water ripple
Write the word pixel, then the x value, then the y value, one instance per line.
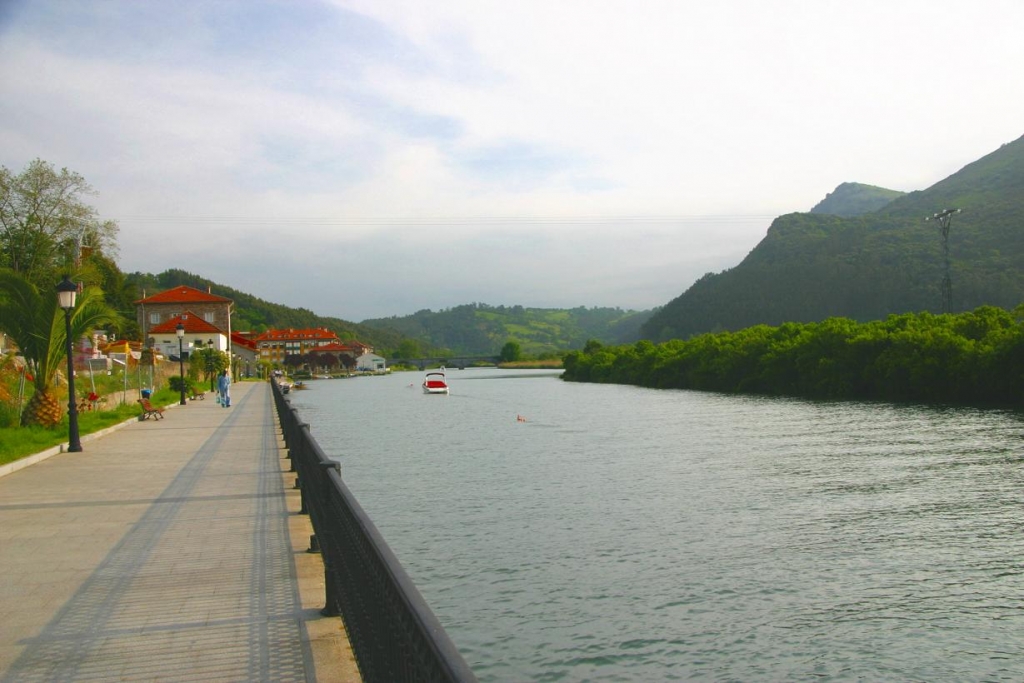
pixel 633 535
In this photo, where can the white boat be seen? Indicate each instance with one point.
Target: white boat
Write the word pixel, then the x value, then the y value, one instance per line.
pixel 435 383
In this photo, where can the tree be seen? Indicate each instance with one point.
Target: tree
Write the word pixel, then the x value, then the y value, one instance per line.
pixel 293 361
pixel 35 323
pixel 208 361
pixel 314 360
pixel 511 352
pixel 329 361
pixel 45 227
pixel 408 348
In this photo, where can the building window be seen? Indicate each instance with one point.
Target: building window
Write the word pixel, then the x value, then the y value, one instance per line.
pixel 154 318
pixel 208 317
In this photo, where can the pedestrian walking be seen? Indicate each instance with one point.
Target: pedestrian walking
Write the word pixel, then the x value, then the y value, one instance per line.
pixel 224 388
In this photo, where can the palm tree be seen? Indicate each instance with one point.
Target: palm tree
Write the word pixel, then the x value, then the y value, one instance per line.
pixel 35 323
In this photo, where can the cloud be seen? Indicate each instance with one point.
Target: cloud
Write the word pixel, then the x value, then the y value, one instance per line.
pixel 523 144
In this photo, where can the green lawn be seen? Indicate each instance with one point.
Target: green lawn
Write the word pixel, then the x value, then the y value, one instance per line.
pixel 21 442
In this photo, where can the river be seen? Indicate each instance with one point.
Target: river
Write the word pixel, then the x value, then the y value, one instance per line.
pixel 631 534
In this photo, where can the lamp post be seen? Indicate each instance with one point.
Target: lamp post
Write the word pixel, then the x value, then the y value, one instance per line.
pixel 180 331
pixel 66 293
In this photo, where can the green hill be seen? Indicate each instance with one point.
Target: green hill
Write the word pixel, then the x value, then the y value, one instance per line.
pixel 811 266
pixel 854 199
pixel 479 329
pixel 471 329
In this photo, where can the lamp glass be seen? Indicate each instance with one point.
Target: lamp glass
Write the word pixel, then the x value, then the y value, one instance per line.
pixel 66 293
pixel 180 330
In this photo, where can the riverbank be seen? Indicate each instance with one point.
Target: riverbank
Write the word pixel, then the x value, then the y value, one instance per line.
pixel 549 364
pixel 971 358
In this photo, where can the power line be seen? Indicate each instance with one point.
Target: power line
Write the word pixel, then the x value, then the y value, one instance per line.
pixel 443 220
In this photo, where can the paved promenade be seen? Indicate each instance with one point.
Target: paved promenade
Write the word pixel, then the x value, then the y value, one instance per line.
pixel 166 550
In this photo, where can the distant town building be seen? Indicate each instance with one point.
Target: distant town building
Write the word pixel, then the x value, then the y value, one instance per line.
pixel 274 345
pixel 246 353
pixel 370 362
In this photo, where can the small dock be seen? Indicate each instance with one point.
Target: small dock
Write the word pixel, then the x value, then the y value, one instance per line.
pixel 166 550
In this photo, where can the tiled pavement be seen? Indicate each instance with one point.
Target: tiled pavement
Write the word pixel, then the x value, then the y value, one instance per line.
pixel 166 550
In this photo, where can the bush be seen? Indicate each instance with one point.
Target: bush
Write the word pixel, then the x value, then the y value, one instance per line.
pixel 175 385
pixel 9 416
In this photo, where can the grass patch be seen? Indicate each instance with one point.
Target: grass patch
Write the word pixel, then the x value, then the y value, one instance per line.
pixel 20 442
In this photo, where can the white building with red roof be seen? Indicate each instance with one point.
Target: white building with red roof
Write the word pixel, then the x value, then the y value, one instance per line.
pixel 197 333
pixel 154 311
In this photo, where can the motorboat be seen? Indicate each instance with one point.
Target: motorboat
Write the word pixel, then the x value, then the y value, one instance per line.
pixel 435 382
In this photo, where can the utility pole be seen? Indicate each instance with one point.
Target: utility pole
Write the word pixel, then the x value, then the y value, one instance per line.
pixel 944 217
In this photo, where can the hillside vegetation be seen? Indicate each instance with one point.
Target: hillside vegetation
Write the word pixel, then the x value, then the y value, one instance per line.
pixel 479 329
pixel 970 358
pixel 812 266
pixel 854 199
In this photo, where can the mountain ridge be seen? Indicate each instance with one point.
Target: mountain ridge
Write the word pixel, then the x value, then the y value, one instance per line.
pixel 854 199
pixel 812 266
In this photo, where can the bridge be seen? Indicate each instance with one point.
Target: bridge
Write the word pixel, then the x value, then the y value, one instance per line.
pixel 460 362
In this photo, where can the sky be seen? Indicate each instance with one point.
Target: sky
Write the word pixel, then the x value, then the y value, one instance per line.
pixel 372 158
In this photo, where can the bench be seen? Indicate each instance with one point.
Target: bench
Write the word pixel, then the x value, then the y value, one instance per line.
pixel 148 410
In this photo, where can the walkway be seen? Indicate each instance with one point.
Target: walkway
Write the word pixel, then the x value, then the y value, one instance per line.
pixel 166 550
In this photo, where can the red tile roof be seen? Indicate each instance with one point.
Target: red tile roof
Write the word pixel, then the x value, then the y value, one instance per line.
pixel 194 324
pixel 311 333
pixel 239 339
pixel 183 295
pixel 339 348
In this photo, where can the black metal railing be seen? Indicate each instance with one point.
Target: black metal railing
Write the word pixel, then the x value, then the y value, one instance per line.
pixel 394 634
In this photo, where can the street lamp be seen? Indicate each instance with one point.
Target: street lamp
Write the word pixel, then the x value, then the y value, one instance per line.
pixel 66 293
pixel 180 331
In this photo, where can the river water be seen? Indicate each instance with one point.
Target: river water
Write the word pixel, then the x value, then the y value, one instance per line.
pixel 627 534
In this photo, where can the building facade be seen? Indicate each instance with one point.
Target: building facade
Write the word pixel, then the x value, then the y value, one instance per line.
pixel 156 310
pixel 371 362
pixel 273 346
pixel 197 334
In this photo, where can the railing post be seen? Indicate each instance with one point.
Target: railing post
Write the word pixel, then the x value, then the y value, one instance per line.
pixel 332 595
pixel 301 441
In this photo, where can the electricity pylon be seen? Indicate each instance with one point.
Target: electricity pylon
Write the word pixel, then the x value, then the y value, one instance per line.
pixel 944 217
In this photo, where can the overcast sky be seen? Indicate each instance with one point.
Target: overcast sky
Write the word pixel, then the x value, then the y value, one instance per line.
pixel 373 158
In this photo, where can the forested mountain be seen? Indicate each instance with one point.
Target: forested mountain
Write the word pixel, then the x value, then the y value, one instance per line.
pixel 812 266
pixel 854 199
pixel 479 329
pixel 252 313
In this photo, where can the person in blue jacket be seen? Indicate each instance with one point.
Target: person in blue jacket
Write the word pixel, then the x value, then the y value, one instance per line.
pixel 224 388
